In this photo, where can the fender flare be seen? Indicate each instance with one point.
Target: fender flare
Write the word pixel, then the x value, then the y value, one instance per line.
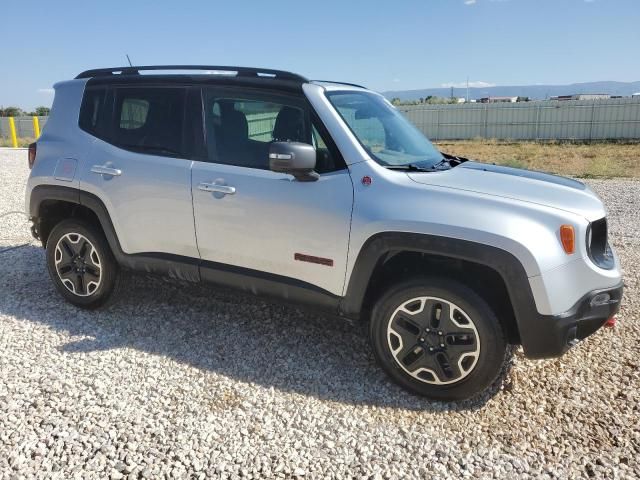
pixel 379 246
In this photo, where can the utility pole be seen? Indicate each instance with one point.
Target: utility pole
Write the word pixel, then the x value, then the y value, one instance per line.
pixel 467 89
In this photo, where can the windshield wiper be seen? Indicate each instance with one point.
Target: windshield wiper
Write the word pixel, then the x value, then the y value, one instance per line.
pixel 412 167
pixel 409 167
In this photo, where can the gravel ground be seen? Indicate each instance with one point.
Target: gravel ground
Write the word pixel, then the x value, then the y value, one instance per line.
pixel 178 381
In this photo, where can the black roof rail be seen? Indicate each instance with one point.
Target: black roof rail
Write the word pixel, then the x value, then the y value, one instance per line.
pixel 239 71
pixel 339 83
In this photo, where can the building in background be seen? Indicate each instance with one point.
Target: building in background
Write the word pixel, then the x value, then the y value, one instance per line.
pixel 583 96
pixel 498 100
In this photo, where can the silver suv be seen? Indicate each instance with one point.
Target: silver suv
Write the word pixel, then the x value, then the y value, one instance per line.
pixel 323 194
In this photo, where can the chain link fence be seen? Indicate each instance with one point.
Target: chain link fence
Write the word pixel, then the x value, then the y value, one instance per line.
pixel 616 118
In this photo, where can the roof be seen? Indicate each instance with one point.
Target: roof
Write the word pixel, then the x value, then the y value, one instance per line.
pixel 210 69
pixel 246 76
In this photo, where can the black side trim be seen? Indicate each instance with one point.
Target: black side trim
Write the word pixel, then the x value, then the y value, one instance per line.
pixel 187 268
pixel 378 247
pixel 268 284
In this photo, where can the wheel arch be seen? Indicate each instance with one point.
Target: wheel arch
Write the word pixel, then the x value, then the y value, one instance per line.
pixel 49 204
pixel 495 274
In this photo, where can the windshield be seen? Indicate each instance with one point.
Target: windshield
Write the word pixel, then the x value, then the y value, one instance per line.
pixel 383 131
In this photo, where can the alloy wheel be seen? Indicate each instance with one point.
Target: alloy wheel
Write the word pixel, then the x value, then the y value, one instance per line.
pixel 78 264
pixel 433 340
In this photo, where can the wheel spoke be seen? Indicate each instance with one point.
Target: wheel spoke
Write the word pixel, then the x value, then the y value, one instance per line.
pixel 67 271
pixel 84 249
pixel 432 314
pixel 66 252
pixel 459 343
pixel 91 274
pixel 455 321
pixel 79 284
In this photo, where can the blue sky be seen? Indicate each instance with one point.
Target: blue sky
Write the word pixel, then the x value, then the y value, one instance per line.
pixel 386 45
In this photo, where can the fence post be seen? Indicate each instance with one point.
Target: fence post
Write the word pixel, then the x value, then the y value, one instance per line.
pixel 593 111
pixel 12 132
pixel 437 124
pixel 486 121
pixel 538 122
pixel 36 127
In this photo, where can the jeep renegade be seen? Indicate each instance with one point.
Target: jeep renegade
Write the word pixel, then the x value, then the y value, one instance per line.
pixel 323 194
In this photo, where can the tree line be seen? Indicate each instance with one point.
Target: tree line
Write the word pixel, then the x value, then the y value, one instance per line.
pixel 431 100
pixel 18 112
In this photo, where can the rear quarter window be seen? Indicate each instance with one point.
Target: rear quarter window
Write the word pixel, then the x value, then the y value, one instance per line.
pixel 93 111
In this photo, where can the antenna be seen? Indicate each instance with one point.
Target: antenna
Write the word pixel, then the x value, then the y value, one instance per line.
pixel 128 59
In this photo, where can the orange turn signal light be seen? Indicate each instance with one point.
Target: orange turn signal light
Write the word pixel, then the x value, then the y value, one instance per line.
pixel 568 238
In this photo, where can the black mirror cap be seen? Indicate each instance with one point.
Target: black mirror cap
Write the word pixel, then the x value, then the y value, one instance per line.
pixel 295 158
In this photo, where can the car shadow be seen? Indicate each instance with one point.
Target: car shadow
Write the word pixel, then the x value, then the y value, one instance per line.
pixel 233 334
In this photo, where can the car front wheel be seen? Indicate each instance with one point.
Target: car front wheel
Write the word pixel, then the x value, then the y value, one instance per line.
pixel 438 338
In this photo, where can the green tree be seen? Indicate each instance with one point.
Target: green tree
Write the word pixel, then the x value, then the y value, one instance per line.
pixel 42 111
pixel 10 112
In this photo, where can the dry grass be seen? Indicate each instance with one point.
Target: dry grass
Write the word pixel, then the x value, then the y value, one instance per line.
pixel 606 159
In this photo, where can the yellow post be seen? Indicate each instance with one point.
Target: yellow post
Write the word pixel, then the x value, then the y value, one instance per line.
pixel 36 127
pixel 12 131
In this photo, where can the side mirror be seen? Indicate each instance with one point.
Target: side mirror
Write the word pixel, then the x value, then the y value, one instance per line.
pixel 294 158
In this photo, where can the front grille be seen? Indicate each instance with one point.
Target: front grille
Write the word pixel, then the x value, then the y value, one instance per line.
pixel 598 245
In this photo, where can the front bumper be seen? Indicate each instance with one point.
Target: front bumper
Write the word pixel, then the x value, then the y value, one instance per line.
pixel 555 334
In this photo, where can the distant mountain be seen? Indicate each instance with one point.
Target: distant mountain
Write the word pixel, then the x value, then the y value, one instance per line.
pixel 535 92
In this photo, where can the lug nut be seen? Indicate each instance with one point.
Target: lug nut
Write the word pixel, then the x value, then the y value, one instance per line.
pixel 442 345
pixel 431 349
pixel 439 333
pixel 422 339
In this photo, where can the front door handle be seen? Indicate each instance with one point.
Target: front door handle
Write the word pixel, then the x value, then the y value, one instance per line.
pixel 104 170
pixel 213 187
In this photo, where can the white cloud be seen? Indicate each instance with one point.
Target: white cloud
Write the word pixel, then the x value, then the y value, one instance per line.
pixel 48 91
pixel 477 84
pixel 469 2
pixel 396 80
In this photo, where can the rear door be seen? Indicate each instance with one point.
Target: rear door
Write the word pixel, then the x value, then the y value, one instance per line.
pixel 139 166
pixel 266 222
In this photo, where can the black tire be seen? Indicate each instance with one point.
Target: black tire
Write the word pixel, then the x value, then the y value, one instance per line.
pixel 476 365
pixel 95 260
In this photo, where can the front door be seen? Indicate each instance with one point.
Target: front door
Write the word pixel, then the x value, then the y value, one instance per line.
pixel 264 223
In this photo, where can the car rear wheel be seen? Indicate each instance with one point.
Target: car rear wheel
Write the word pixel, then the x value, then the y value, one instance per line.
pixel 81 264
pixel 438 338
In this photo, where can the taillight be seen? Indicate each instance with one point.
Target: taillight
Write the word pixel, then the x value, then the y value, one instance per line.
pixel 32 154
pixel 568 238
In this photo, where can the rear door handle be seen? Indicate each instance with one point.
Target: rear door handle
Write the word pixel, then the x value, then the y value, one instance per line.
pixel 104 170
pixel 212 187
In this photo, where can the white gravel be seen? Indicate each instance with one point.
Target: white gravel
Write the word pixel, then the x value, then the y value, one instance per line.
pixel 177 381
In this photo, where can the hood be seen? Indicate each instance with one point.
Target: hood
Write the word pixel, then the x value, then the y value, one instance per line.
pixel 517 184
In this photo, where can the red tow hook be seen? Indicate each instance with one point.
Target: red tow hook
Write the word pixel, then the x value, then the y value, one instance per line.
pixel 610 323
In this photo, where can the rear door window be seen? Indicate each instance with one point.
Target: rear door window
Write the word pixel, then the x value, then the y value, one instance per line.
pixel 149 120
